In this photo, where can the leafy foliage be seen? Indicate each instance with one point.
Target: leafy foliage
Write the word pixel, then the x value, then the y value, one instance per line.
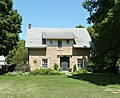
pixel 56 67
pixel 80 71
pixel 74 68
pixel 45 72
pixel 10 26
pixel 80 26
pixel 15 73
pixel 92 33
pixel 19 55
pixel 106 22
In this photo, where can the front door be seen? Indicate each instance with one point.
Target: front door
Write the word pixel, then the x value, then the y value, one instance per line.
pixel 64 63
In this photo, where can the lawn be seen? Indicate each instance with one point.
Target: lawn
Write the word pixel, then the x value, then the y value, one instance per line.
pixel 79 86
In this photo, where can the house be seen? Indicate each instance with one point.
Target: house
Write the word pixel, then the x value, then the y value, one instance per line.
pixel 66 47
pixel 2 61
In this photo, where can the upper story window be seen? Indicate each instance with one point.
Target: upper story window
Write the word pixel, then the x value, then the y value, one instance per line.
pixel 43 41
pixel 59 43
pixel 51 41
pixel 67 41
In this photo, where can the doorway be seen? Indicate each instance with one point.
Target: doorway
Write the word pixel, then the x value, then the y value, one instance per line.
pixel 64 63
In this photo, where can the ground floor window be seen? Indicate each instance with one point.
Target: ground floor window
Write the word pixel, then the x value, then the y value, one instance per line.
pixel 80 63
pixel 44 63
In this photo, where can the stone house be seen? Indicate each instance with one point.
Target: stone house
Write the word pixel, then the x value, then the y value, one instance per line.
pixel 66 47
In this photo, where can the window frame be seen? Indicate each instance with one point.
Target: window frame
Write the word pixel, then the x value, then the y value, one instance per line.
pixel 51 41
pixel 67 41
pixel 44 41
pixel 47 63
pixel 79 65
pixel 59 44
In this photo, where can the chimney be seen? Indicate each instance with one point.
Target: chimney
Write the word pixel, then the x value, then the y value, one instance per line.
pixel 29 26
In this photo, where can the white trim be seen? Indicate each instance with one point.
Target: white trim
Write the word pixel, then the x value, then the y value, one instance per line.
pixel 83 63
pixel 77 63
pixel 60 48
pixel 47 62
pixel 41 63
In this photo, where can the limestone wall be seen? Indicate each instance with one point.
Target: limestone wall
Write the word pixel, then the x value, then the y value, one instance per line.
pixel 53 55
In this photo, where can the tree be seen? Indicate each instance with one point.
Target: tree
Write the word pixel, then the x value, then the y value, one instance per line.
pixel 92 33
pixel 10 26
pixel 19 55
pixel 80 26
pixel 106 22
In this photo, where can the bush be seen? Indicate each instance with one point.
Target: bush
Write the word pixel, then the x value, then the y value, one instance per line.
pixel 40 71
pixel 74 68
pixel 8 74
pixel 56 67
pixel 1 72
pixel 20 73
pixel 24 68
pixel 15 73
pixel 60 69
pixel 45 72
pixel 81 71
pixel 70 69
pixel 54 72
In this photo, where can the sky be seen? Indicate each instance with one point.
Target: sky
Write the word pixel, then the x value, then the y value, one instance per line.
pixel 51 14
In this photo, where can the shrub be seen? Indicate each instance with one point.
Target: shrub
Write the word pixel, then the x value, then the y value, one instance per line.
pixel 24 68
pixel 15 73
pixel 54 72
pixel 45 72
pixel 8 74
pixel 81 71
pixel 11 68
pixel 70 69
pixel 20 73
pixel 59 69
pixel 40 71
pixel 56 67
pixel 74 68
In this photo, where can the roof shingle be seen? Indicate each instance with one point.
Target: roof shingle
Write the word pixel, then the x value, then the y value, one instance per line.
pixel 35 35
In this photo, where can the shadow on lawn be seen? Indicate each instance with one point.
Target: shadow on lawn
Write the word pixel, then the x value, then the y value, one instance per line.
pixel 100 79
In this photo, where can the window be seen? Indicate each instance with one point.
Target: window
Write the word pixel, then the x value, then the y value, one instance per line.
pixel 43 41
pixel 44 63
pixel 59 43
pixel 67 41
pixel 51 42
pixel 80 63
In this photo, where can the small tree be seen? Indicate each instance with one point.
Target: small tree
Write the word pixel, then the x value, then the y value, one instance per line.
pixel 80 26
pixel 74 68
pixel 19 55
pixel 56 66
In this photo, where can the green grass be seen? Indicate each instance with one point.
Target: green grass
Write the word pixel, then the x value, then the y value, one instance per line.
pixel 57 87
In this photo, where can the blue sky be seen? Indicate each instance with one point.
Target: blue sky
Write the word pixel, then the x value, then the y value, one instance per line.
pixel 51 14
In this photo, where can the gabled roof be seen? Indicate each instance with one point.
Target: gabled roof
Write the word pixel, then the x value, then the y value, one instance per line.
pixel 35 36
